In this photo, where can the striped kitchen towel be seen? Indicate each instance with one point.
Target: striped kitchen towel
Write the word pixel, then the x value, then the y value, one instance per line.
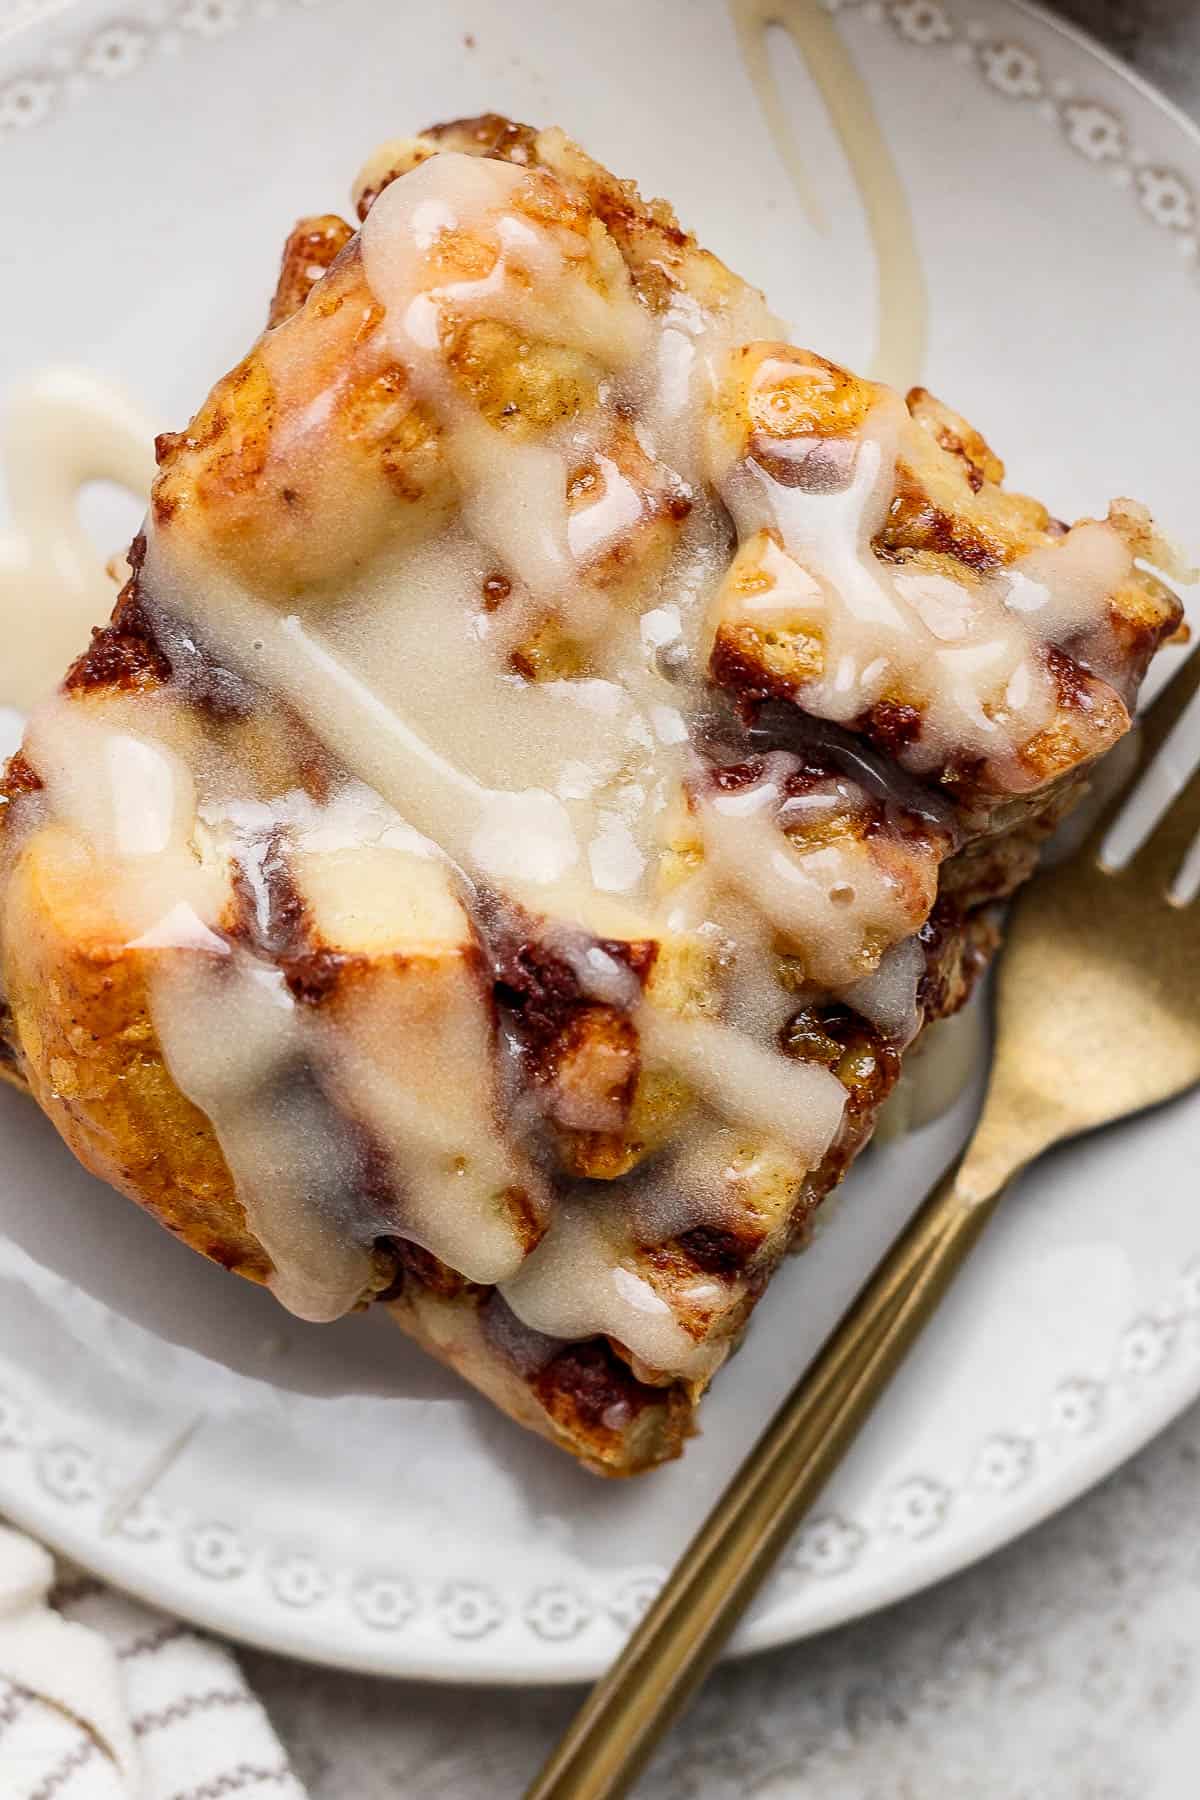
pixel 102 1699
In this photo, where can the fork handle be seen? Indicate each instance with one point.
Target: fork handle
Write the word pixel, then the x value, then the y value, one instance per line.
pixel 631 1708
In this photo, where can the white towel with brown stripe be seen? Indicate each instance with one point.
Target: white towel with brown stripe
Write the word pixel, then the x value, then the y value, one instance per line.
pixel 102 1699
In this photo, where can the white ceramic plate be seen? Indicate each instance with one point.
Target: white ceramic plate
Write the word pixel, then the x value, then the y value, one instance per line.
pixel 326 1490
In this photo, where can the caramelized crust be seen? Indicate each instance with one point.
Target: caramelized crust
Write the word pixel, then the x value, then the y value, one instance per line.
pixel 313 246
pixel 88 1050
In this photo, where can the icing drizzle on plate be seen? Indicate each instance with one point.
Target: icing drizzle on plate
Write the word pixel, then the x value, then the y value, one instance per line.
pixel 903 302
pixel 63 428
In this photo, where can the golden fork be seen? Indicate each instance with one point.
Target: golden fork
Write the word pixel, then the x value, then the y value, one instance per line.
pixel 1097 1017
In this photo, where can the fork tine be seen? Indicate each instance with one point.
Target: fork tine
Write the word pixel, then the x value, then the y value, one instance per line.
pixel 1161 856
pixel 1159 721
pixel 1154 727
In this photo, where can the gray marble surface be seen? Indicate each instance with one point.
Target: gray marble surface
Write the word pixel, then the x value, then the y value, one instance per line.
pixel 1067 1667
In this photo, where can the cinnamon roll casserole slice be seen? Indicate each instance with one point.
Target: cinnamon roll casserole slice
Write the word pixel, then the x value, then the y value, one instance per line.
pixel 559 746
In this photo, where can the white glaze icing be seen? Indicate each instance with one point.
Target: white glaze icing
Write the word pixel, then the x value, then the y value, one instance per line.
pixel 793 1104
pixel 230 1033
pixel 831 902
pixel 578 1283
